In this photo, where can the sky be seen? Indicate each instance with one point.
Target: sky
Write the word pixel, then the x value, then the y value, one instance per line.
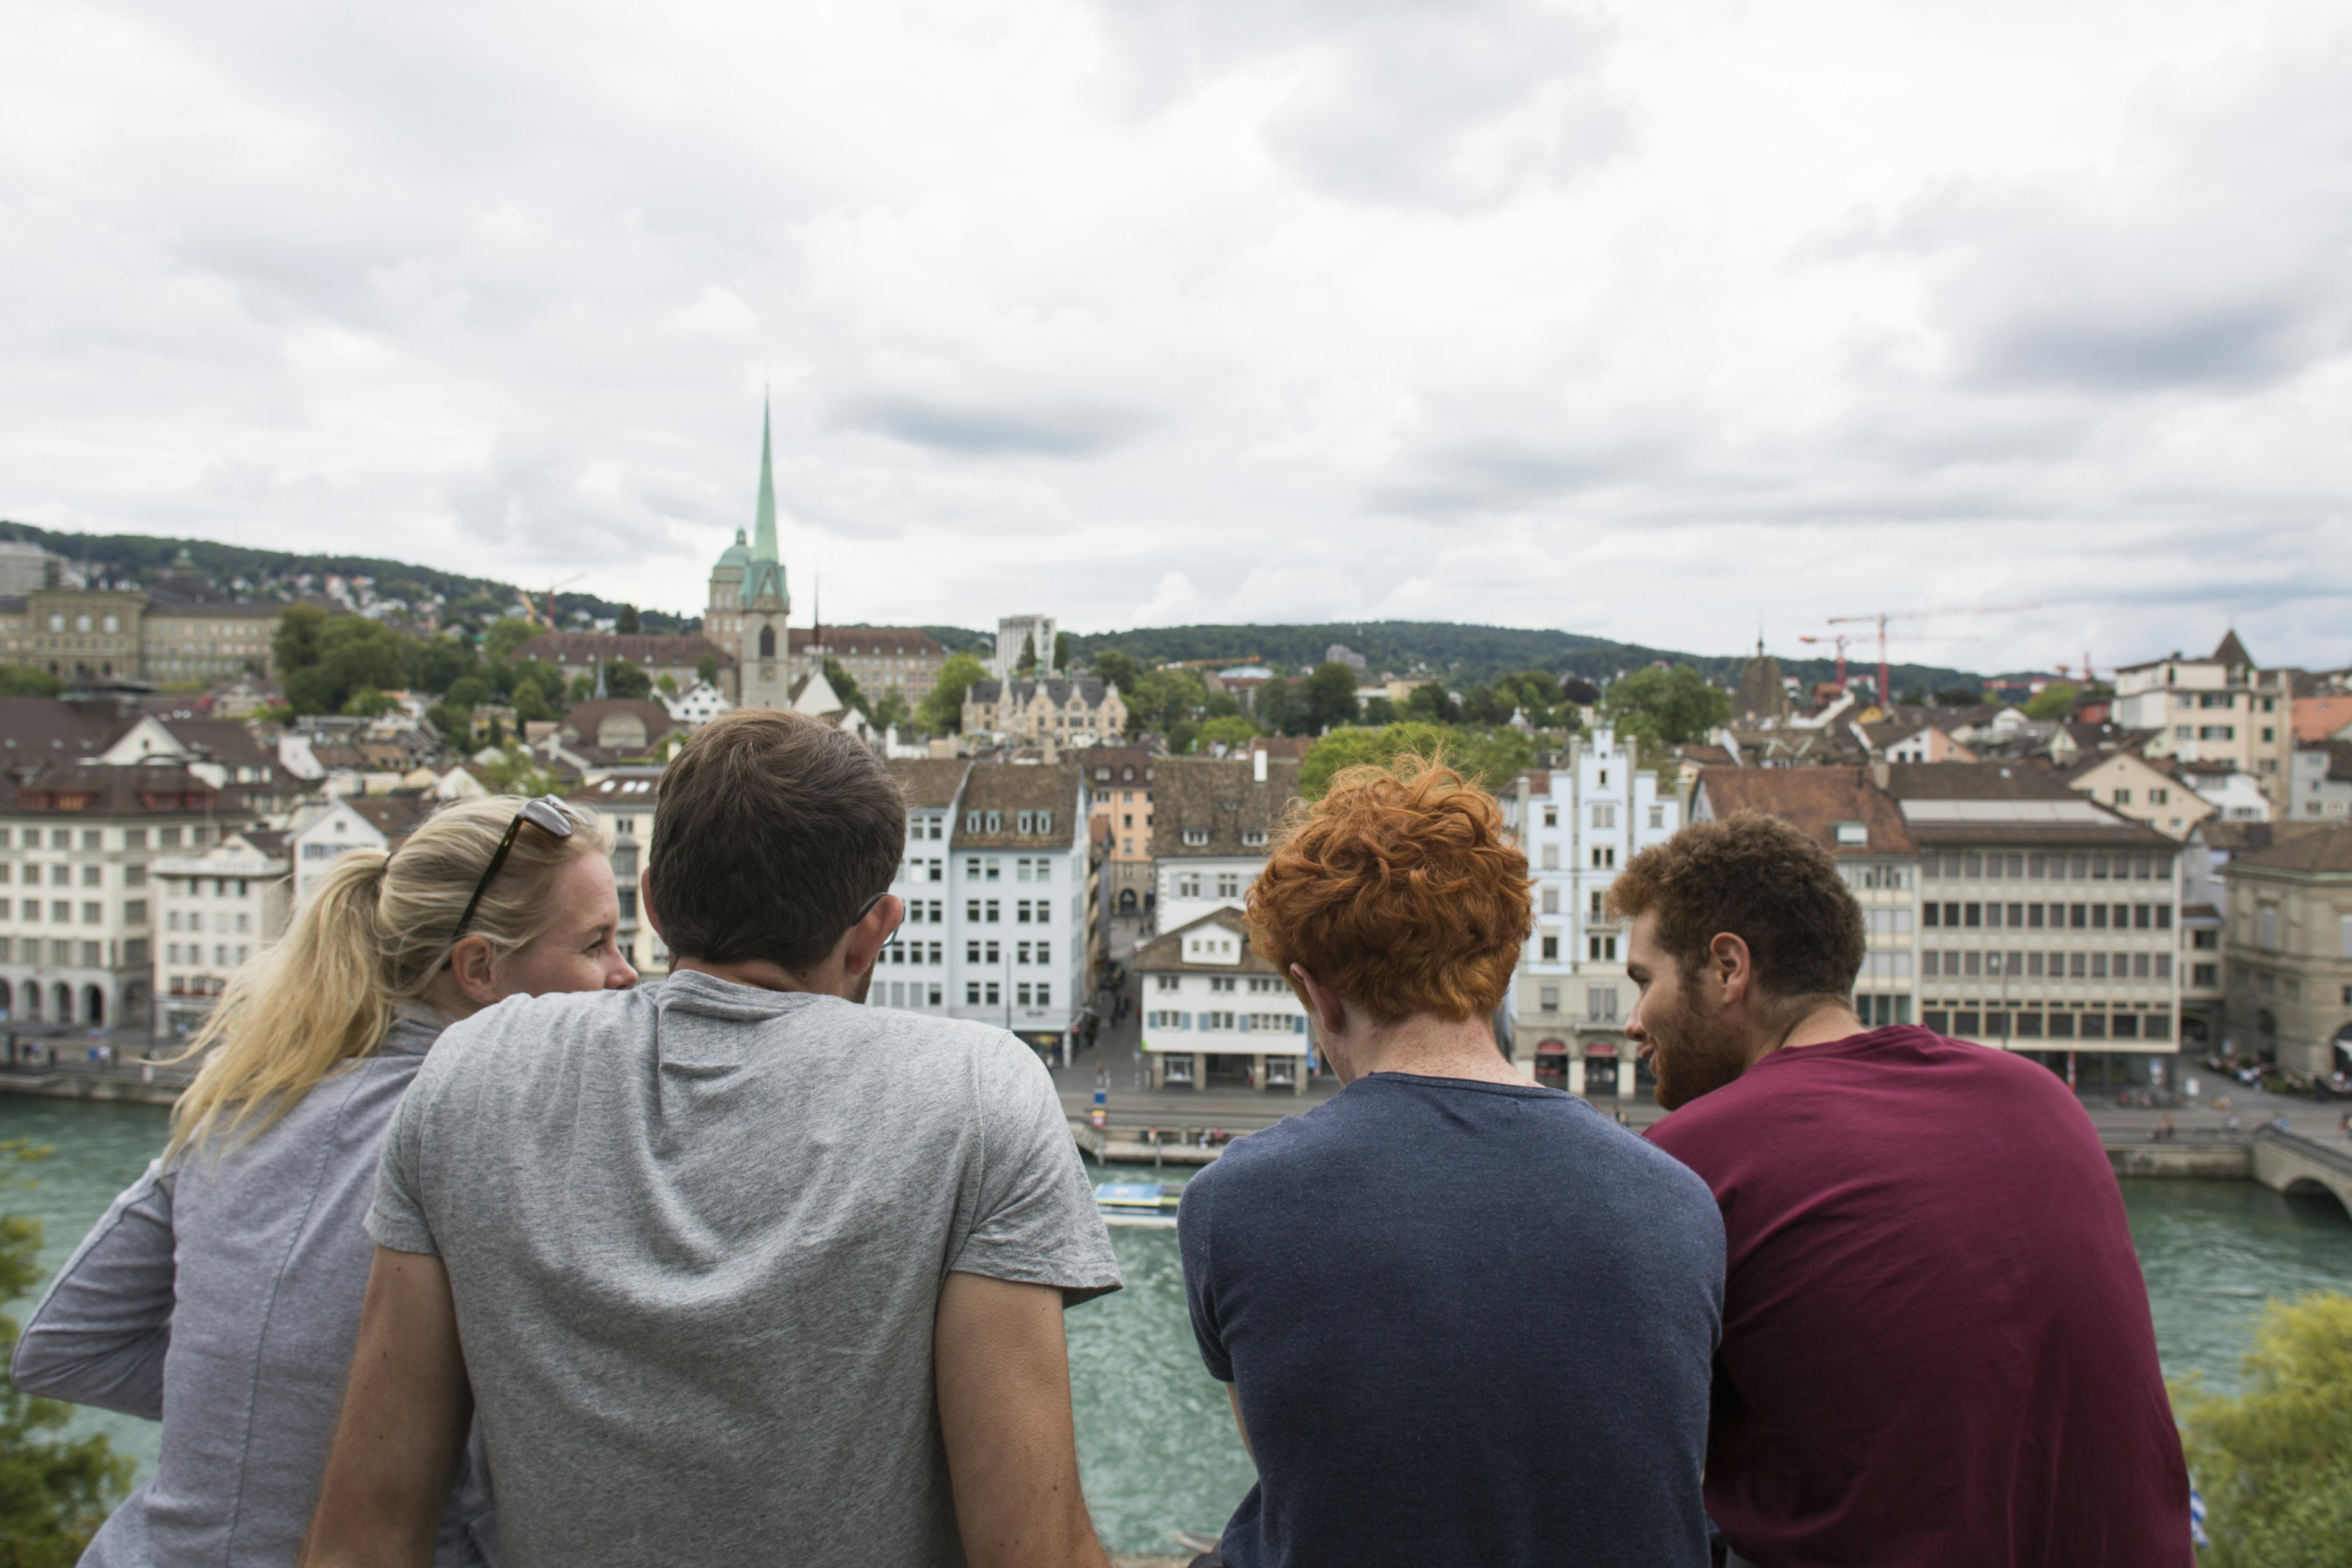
pixel 1671 324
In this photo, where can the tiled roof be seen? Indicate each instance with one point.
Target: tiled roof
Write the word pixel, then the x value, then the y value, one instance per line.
pixel 390 814
pixel 642 648
pixel 1086 692
pixel 1814 800
pixel 1010 788
pixel 1975 781
pixel 2329 850
pixel 37 731
pixel 1221 798
pixel 95 789
pixel 1165 955
pixel 222 740
pixel 2317 718
pixel 889 642
pixel 1108 767
pixel 2007 803
pixel 928 783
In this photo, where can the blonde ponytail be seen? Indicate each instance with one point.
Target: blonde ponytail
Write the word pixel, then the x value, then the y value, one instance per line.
pixel 373 932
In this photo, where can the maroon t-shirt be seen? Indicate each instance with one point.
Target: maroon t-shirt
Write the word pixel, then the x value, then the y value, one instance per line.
pixel 1937 1348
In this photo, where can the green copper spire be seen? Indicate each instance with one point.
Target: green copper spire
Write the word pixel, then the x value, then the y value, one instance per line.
pixel 763 541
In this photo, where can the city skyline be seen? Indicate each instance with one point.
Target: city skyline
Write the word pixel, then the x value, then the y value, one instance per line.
pixel 1507 313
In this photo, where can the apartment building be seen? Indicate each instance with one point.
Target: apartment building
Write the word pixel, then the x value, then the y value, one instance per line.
pixel 1120 784
pixel 2048 925
pixel 185 632
pixel 2288 946
pixel 1216 1011
pixel 1215 819
pixel 325 832
pixel 78 842
pixel 881 659
pixel 1000 884
pixel 1847 812
pixel 2217 709
pixel 1578 823
pixel 2321 790
pixel 213 910
pixel 622 800
pixel 2130 786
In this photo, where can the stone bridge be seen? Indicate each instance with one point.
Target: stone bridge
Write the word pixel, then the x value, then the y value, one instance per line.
pixel 2289 1162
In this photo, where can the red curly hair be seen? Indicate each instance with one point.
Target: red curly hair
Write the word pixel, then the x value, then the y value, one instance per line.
pixel 1400 890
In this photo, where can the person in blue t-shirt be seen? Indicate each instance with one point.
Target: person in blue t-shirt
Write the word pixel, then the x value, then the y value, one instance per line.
pixel 1461 1318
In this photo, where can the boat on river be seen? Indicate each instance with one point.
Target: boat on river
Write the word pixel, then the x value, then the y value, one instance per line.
pixel 1150 1204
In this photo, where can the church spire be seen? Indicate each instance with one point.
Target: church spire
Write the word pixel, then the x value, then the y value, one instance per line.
pixel 763 542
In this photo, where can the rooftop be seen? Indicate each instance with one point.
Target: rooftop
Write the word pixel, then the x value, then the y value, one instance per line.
pixel 2328 850
pixel 1009 789
pixel 1817 800
pixel 1220 800
pixel 1165 954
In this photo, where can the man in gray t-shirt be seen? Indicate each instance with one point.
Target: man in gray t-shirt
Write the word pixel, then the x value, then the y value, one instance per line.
pixel 741 1271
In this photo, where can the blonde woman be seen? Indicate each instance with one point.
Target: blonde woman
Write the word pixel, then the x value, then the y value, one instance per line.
pixel 221 1294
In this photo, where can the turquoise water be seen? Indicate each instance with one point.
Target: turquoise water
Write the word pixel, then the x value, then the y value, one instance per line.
pixel 1156 1441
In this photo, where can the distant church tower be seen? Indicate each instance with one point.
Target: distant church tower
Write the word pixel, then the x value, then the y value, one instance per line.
pixel 751 601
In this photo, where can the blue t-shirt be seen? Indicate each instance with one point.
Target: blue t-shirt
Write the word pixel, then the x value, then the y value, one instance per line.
pixel 1469 1323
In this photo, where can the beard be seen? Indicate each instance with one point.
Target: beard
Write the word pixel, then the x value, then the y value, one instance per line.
pixel 1692 1053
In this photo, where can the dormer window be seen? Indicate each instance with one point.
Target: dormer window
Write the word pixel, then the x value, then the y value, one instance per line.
pixel 995 820
pixel 1022 821
pixel 1195 838
pixel 1253 837
pixel 1853 834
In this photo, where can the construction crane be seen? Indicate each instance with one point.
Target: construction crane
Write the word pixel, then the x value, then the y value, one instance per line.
pixel 1884 616
pixel 1842 639
pixel 551 587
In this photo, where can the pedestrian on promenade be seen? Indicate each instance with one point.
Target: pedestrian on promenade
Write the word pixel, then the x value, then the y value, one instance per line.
pixel 734 1269
pixel 1937 1348
pixel 221 1293
pixel 1383 1282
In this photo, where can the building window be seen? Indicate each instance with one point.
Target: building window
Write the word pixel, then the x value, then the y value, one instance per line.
pixel 1548 998
pixel 1551 949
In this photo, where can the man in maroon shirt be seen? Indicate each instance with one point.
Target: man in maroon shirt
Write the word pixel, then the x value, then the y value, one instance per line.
pixel 1936 1350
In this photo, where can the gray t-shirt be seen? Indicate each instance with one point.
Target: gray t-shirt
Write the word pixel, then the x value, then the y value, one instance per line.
pixel 697 1233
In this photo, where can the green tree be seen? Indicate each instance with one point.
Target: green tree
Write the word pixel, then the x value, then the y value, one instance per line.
pixel 1331 693
pixel 1485 705
pixel 366 702
pixel 626 623
pixel 1672 707
pixel 844 686
pixel 666 685
pixel 24 681
pixel 1275 704
pixel 1231 729
pixel 507 634
pixel 1959 697
pixel 1063 644
pixel 1027 664
pixel 1162 699
pixel 351 653
pixel 1378 712
pixel 530 703
pixel 1432 704
pixel 437 665
pixel 1116 669
pixel 942 710
pixel 1490 759
pixel 890 708
pixel 2274 1465
pixel 295 643
pixel 468 693
pixel 706 668
pixel 54 1493
pixel 516 772
pixel 623 678
pixel 2054 700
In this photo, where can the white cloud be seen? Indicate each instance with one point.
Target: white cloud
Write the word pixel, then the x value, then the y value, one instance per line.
pixel 1640 322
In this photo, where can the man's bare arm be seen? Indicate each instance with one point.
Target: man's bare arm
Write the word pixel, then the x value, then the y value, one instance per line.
pixel 405 1413
pixel 1004 1374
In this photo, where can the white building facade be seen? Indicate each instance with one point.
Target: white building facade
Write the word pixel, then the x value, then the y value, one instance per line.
pixel 1212 821
pixel 1580 823
pixel 1213 1010
pixel 213 910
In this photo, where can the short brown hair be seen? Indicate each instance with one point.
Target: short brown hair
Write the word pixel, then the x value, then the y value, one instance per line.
pixel 1400 891
pixel 773 829
pixel 1765 882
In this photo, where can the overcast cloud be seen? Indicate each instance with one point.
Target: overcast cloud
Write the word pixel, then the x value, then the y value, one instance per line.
pixel 1647 321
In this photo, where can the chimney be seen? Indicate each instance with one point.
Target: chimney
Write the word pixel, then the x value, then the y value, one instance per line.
pixel 1880 772
pixel 1257 765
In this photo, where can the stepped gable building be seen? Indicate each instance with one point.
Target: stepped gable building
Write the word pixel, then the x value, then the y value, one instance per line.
pixel 2288 945
pixel 1084 711
pixel 750 600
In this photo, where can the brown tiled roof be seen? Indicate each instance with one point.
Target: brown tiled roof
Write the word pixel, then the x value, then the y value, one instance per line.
pixel 2329 850
pixel 1165 955
pixel 1220 797
pixel 1104 766
pixel 1975 781
pixel 1814 800
pixel 929 783
pixel 94 789
pixel 2316 718
pixel 2340 758
pixel 641 648
pixel 1280 747
pixel 35 731
pixel 1009 788
pixel 222 740
pixel 389 815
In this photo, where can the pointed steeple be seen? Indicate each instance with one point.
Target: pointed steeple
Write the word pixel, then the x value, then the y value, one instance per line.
pixel 763 542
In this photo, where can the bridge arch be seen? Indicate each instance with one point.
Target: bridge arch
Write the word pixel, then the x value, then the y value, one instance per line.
pixel 2298 1166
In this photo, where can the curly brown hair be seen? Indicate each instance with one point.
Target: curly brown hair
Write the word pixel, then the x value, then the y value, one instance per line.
pixel 1400 890
pixel 1760 879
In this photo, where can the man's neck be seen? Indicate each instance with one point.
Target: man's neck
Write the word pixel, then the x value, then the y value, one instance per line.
pixel 765 976
pixel 1817 1027
pixel 1436 1047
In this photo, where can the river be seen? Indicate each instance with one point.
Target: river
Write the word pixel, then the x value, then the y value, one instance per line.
pixel 1156 1443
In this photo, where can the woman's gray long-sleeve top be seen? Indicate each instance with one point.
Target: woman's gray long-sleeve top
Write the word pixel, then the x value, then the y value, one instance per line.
pixel 222 1295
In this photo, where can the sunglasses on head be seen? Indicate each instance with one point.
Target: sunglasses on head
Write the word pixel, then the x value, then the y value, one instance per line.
pixel 546 813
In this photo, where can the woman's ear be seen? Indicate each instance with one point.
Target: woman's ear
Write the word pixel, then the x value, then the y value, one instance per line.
pixel 474 967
